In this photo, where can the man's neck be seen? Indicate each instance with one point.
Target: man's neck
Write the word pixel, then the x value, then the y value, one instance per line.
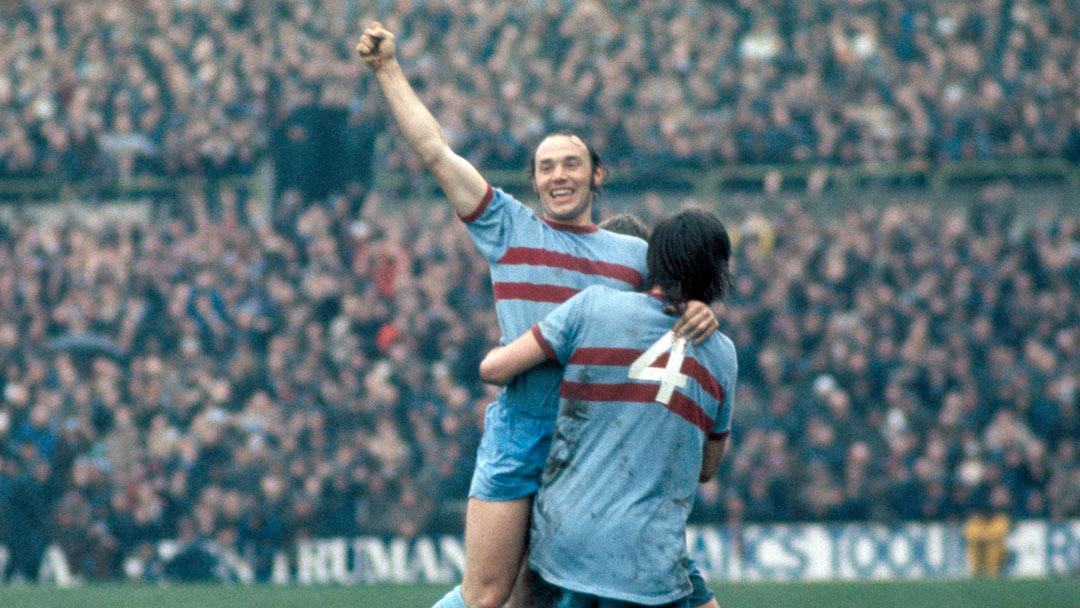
pixel 583 220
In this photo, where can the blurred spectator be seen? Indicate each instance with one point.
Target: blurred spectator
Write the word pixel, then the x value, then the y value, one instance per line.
pixel 985 532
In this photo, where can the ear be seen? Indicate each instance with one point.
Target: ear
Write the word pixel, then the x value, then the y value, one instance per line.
pixel 598 175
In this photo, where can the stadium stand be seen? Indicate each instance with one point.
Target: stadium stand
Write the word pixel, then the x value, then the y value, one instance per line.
pixel 125 86
pixel 250 384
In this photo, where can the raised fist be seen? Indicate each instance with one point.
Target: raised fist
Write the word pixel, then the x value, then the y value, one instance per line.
pixel 376 46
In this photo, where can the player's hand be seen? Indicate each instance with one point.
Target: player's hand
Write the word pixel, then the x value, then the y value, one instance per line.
pixel 696 323
pixel 376 46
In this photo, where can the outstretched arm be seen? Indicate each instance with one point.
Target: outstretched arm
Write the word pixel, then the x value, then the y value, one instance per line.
pixel 461 182
pixel 503 363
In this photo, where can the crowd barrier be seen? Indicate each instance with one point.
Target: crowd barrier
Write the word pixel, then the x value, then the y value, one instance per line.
pixel 779 552
pixel 935 177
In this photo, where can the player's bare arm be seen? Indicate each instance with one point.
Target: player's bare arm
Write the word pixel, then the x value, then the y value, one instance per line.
pixel 711 456
pixel 503 363
pixel 462 183
pixel 697 322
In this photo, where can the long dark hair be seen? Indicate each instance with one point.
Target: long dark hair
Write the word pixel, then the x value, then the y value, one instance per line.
pixel 688 257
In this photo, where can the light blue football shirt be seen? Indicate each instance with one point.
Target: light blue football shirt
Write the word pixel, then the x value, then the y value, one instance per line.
pixel 537 264
pixel 610 517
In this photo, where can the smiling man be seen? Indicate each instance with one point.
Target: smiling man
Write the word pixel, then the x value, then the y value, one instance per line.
pixel 537 262
pixel 566 174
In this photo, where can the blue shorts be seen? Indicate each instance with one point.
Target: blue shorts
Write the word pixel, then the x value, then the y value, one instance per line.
pixel 546 595
pixel 701 592
pixel 511 455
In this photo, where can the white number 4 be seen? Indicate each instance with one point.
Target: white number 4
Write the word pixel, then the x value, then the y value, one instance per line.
pixel 670 377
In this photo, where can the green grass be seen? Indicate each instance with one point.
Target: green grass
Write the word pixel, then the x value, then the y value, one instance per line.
pixel 1027 593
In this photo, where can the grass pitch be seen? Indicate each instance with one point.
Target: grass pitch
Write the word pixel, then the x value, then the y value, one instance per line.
pixel 1027 593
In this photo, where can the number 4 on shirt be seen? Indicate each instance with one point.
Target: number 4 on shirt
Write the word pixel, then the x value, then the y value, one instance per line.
pixel 670 376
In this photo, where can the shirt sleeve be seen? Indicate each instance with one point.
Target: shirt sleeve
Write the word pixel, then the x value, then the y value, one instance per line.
pixel 492 225
pixel 722 424
pixel 559 331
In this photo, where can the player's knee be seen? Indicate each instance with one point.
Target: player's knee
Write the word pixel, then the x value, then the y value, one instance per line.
pixel 486 594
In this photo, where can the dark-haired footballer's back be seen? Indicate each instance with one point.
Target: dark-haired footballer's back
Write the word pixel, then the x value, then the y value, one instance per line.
pixel 636 409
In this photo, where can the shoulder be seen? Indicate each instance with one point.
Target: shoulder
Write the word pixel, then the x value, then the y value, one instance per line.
pixel 622 249
pixel 506 202
pixel 505 197
pixel 622 240
pixel 597 297
pixel 720 351
pixel 592 293
pixel 497 202
pixel 726 345
pixel 604 293
pixel 614 305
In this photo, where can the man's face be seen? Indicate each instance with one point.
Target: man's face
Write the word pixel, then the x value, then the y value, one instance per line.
pixel 564 178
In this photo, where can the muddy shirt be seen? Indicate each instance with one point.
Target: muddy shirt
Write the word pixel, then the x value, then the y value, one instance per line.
pixel 636 406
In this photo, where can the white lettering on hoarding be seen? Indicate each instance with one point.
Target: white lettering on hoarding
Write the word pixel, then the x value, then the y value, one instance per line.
pixel 750 553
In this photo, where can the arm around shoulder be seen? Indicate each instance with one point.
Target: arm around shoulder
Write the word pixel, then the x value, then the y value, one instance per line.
pixel 697 323
pixel 504 363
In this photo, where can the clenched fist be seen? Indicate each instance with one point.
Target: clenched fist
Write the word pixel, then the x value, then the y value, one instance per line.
pixel 376 46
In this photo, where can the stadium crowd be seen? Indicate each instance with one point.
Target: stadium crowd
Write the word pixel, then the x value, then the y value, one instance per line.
pixel 217 377
pixel 128 86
